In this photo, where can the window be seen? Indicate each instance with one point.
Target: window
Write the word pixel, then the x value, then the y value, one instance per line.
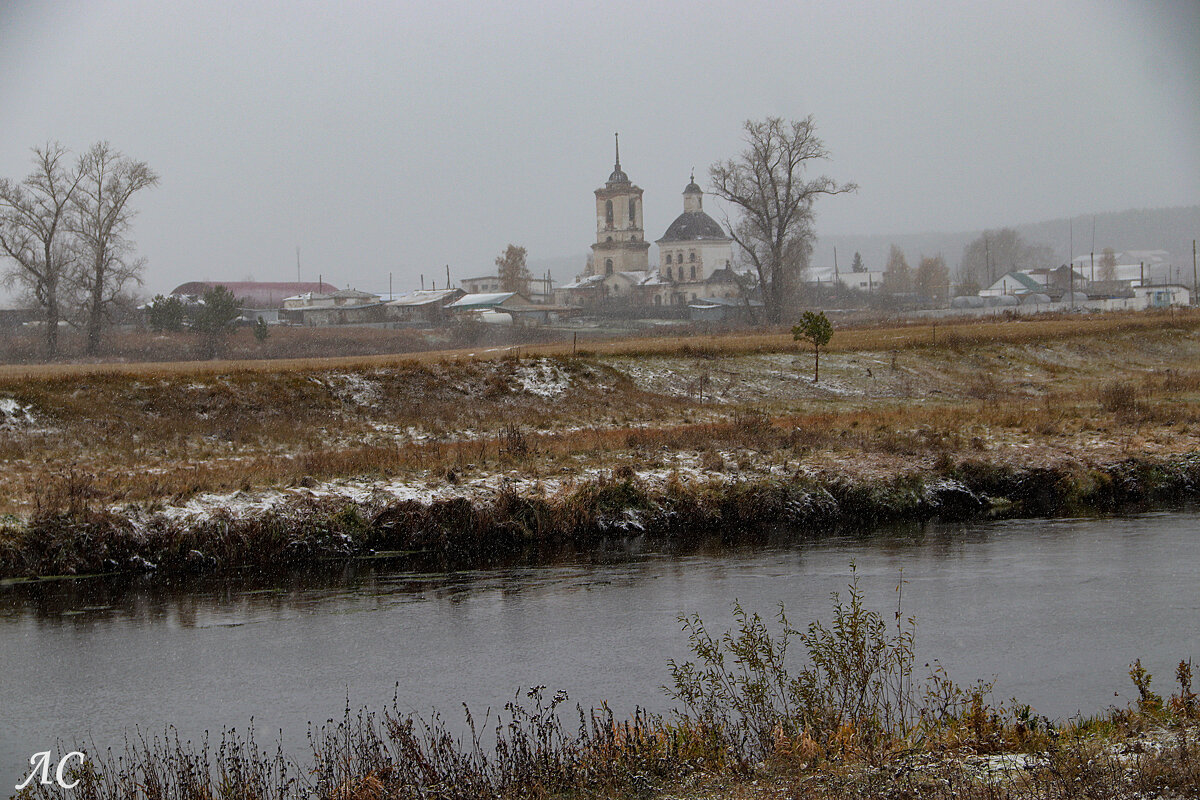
pixel 632 210
pixel 658 300
pixel 668 258
pixel 608 213
pixel 692 256
pixel 679 255
pixel 669 271
pixel 608 267
pixel 693 272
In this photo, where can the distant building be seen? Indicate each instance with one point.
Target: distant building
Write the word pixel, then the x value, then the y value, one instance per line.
pixel 343 307
pixel 482 285
pixel 422 306
pixel 868 281
pixel 255 294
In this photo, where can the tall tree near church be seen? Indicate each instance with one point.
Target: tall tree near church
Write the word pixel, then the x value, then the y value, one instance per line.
pixel 100 219
pixel 510 266
pixel 897 277
pixel 1108 265
pixel 933 278
pixel 34 232
pixel 767 184
pixel 857 264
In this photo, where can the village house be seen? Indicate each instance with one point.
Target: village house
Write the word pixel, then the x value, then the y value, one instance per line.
pixel 422 306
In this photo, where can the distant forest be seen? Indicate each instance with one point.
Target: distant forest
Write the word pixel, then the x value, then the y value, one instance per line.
pixel 1170 229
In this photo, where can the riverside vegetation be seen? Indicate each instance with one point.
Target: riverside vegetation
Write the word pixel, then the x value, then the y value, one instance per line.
pixel 855 720
pixel 194 467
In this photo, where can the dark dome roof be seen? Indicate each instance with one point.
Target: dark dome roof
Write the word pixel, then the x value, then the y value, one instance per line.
pixel 618 176
pixel 692 188
pixel 693 225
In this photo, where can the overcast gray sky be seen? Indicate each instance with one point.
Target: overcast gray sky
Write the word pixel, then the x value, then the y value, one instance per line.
pixel 401 137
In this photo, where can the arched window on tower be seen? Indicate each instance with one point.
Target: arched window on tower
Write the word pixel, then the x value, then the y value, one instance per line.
pixel 632 210
pixel 669 272
pixel 668 258
pixel 693 272
pixel 608 212
pixel 608 267
pixel 692 255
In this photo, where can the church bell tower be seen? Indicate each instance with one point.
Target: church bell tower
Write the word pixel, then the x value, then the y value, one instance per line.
pixel 621 244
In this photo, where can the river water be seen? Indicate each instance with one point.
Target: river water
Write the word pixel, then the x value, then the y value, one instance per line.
pixel 1053 611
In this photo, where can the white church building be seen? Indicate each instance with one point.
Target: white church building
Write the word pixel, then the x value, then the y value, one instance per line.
pixel 695 256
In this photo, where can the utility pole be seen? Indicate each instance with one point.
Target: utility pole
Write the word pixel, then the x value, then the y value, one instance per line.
pixel 1093 266
pixel 1195 285
pixel 1071 260
pixel 297 263
pixel 447 276
pixel 835 269
pixel 390 296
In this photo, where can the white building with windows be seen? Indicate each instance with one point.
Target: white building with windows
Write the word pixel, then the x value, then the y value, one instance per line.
pixel 695 257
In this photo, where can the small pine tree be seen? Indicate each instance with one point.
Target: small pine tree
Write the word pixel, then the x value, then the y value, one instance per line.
pixel 214 319
pixel 857 264
pixel 261 331
pixel 816 328
pixel 165 313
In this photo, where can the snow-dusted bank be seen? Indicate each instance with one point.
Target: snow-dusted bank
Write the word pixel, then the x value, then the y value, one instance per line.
pixel 469 459
pixel 467 522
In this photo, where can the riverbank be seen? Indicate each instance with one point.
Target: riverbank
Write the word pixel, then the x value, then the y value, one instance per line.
pixel 466 458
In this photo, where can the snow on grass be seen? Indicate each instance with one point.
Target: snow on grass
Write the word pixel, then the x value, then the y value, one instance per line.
pixel 14 415
pixel 543 379
pixel 354 388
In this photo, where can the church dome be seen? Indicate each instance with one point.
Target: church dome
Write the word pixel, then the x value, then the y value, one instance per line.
pixel 692 225
pixel 618 175
pixel 692 188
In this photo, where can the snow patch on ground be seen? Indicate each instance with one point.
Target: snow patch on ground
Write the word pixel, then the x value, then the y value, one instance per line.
pixel 354 388
pixel 14 415
pixel 543 379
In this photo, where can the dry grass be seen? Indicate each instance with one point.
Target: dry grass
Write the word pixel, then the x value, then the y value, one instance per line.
pixel 1026 392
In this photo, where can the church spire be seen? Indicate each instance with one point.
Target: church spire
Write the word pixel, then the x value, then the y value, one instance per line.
pixel 618 176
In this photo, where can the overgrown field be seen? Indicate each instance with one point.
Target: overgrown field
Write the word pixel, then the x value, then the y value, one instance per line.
pixel 137 466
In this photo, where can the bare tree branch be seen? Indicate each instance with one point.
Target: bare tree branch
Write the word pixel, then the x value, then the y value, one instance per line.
pixel 33 231
pixel 775 202
pixel 100 219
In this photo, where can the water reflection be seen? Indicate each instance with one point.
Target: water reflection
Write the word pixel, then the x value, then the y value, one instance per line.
pixel 1055 609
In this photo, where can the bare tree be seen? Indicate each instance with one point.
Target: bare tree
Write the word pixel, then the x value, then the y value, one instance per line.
pixel 997 252
pixel 34 231
pixel 100 219
pixel 767 185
